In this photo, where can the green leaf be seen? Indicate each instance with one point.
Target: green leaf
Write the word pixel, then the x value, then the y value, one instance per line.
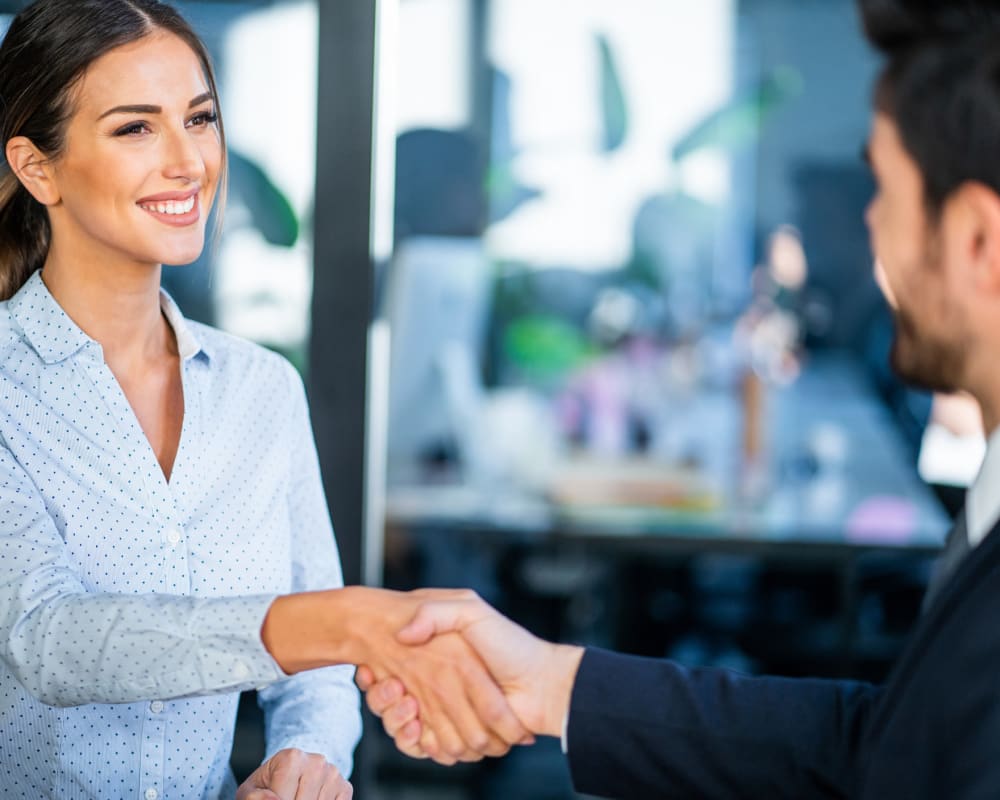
pixel 737 124
pixel 614 114
pixel 271 212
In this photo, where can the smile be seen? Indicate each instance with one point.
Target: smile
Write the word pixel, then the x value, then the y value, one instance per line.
pixel 179 212
pixel 172 207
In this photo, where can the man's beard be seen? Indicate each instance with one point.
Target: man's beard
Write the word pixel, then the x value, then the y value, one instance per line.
pixel 926 362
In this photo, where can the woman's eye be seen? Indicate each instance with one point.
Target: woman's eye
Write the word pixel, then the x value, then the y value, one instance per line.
pixel 133 129
pixel 206 118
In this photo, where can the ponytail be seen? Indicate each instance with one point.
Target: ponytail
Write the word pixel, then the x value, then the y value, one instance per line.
pixel 24 234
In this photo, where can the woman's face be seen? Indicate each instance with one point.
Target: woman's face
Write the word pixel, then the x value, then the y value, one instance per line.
pixel 141 163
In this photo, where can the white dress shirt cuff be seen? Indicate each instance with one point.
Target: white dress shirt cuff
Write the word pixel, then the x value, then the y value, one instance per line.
pixel 231 651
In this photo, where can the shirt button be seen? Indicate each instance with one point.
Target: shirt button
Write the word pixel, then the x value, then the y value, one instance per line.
pixel 156 706
pixel 151 793
pixel 240 670
pixel 173 536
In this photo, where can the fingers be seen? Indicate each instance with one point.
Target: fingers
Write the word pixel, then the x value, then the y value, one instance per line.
pixel 312 778
pixel 293 774
pixel 335 786
pixel 493 710
pixel 364 678
pixel 434 618
pixel 455 702
pixel 460 712
pixel 398 710
pixel 384 695
pixel 408 737
pixel 398 715
pixel 408 740
pixel 491 727
pixel 441 740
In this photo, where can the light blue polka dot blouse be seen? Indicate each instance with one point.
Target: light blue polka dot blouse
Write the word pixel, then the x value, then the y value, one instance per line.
pixel 130 607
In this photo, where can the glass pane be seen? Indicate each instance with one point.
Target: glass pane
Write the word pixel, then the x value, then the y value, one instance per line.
pixel 631 274
pixel 256 282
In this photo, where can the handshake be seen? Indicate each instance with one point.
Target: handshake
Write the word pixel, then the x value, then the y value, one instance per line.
pixel 457 681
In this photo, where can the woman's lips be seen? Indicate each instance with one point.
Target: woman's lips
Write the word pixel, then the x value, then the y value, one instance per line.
pixel 178 212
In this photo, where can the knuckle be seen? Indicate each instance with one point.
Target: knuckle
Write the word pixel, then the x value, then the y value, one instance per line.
pixel 315 761
pixel 430 746
pixel 377 708
pixel 495 711
pixel 480 741
pixel 498 748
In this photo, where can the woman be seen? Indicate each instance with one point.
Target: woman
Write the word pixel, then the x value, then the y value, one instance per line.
pixel 160 499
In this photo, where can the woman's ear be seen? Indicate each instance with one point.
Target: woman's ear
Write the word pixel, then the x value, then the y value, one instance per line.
pixel 33 170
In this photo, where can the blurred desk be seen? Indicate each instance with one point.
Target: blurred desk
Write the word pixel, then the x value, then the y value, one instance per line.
pixel 836 481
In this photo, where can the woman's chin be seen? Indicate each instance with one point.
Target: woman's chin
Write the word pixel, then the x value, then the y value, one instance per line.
pixel 181 256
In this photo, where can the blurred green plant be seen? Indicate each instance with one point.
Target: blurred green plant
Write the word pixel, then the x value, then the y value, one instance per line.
pixel 543 347
pixel 614 112
pixel 270 211
pixel 737 123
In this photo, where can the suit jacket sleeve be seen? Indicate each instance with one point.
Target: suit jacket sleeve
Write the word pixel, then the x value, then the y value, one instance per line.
pixel 642 727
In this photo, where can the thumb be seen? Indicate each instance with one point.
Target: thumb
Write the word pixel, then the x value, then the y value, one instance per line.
pixel 432 619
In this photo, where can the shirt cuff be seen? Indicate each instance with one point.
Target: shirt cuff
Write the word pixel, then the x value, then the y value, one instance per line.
pixel 230 651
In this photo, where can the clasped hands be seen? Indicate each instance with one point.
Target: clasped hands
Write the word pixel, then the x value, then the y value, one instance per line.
pixel 468 682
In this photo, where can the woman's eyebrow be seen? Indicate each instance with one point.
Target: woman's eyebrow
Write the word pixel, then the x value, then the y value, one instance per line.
pixel 147 109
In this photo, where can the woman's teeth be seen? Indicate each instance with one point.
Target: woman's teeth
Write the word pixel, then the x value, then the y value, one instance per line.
pixel 171 206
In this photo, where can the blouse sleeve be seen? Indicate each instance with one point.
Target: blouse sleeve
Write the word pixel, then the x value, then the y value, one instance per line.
pixel 70 646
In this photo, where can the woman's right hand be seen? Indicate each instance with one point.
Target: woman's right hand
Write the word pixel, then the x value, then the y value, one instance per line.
pixel 464 715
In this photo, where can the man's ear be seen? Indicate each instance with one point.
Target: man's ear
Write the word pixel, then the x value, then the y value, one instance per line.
pixel 975 218
pixel 33 169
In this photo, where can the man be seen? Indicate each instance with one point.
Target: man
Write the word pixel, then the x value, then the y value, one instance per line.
pixel 637 727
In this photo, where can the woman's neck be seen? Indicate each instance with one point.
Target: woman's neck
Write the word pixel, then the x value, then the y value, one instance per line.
pixel 117 305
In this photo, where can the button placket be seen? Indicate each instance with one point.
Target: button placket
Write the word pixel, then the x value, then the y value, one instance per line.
pixel 153 756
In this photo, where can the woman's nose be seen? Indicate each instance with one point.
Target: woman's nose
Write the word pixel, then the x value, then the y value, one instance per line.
pixel 183 157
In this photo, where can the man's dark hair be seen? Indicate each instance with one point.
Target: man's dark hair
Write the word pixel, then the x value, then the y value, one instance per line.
pixel 896 25
pixel 941 86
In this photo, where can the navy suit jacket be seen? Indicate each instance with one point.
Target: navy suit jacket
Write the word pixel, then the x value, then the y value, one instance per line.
pixel 643 727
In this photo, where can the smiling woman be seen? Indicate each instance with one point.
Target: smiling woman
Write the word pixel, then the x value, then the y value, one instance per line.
pixel 158 480
pixel 164 538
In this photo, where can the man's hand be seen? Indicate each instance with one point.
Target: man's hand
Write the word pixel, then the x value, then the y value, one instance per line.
pixel 465 715
pixel 295 775
pixel 535 676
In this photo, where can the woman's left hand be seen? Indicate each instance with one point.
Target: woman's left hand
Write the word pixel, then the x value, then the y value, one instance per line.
pixel 296 775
